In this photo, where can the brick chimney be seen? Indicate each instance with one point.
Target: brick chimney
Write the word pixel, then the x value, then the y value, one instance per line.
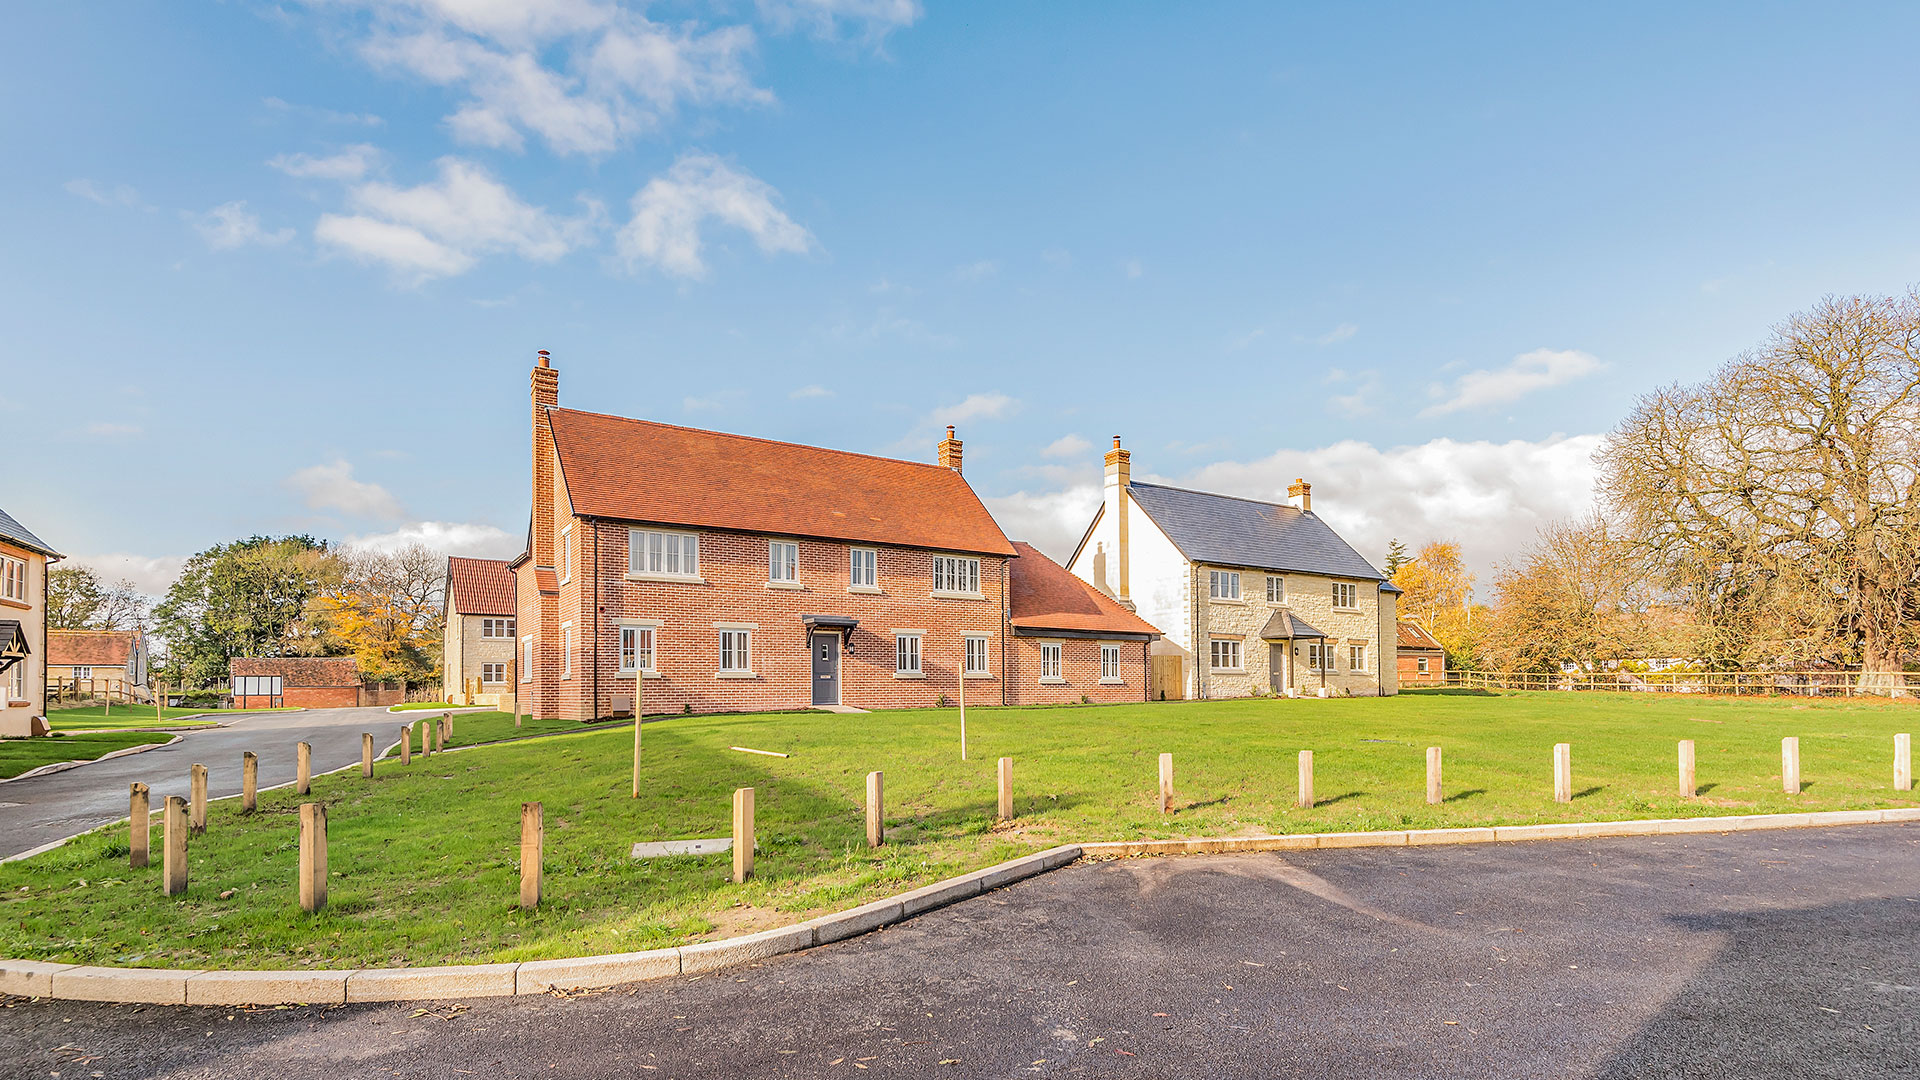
pixel 949 451
pixel 1300 493
pixel 546 395
pixel 1119 475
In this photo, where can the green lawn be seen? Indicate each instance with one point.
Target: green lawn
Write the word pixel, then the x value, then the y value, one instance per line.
pixel 96 717
pixel 20 755
pixel 411 706
pixel 423 859
pixel 470 729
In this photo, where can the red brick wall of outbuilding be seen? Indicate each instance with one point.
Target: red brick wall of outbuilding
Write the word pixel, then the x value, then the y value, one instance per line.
pixel 1080 667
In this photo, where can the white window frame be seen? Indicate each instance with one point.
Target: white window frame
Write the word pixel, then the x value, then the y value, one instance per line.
pixel 1276 589
pixel 17 682
pixel 1223 584
pixel 495 666
pixel 13 579
pixel 1051 662
pixel 1424 665
pixel 1356 657
pixel 1348 590
pixel 783 563
pixel 1320 656
pixel 566 650
pixel 1234 654
pixel 863 563
pixel 83 671
pixel 956 575
pixel 526 659
pixel 1110 664
pixel 907 647
pixel 496 627
pixel 566 555
pixel 735 649
pixel 675 548
pixel 985 646
pixel 634 628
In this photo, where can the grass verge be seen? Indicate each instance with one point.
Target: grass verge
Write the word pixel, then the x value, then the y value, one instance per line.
pixel 472 729
pixel 423 859
pixel 23 755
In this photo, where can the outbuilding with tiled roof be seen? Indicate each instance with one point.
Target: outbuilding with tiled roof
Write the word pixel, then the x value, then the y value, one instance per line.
pixel 1420 656
pixel 1070 641
pixel 111 663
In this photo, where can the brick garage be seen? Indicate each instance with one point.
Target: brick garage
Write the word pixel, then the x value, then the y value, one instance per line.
pixel 303 682
pixel 1420 657
pixel 1071 642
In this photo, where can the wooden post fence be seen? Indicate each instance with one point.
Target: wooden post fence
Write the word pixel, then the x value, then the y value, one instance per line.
pixel 139 825
pixel 313 857
pixel 742 834
pixel 173 860
pixel 1562 772
pixel 303 782
pixel 533 836
pixel 1006 789
pixel 1305 799
pixel 197 810
pixel 1790 764
pixel 1688 788
pixel 446 728
pixel 1166 783
pixel 1903 762
pixel 406 744
pixel 876 809
pixel 366 754
pixel 1433 776
pixel 249 782
pixel 426 739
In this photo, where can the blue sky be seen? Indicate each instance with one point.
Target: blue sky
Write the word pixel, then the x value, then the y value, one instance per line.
pixel 283 267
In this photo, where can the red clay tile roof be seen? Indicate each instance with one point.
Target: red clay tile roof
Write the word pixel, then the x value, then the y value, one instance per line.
pixel 480 586
pixel 300 670
pixel 546 580
pixel 637 470
pixel 1415 636
pixel 92 648
pixel 1045 596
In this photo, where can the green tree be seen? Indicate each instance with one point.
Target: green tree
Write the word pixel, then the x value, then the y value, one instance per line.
pixel 387 609
pixel 1397 557
pixel 78 600
pixel 244 598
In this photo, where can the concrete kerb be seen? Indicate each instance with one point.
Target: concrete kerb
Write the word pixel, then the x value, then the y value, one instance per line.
pixel 30 978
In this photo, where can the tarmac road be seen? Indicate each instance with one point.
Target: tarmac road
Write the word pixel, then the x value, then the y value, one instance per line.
pixel 41 809
pixel 1762 954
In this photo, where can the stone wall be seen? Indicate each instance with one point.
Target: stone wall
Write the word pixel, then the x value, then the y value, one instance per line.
pixel 1310 597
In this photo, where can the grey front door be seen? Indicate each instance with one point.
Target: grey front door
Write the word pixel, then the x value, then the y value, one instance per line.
pixel 1277 668
pixel 826 669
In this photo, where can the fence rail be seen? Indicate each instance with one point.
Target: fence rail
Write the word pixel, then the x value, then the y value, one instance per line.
pixel 1797 683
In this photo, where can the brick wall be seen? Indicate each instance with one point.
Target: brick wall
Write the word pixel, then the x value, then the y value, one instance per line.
pixel 1409 667
pixel 1079 670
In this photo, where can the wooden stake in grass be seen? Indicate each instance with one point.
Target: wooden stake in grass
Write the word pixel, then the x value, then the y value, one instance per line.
pixel 1903 762
pixel 1562 772
pixel 1006 789
pixel 426 739
pixel 1305 801
pixel 1790 764
pixel 173 861
pixel 636 751
pixel 303 781
pixel 313 857
pixel 1433 776
pixel 446 727
pixel 876 809
pixel 533 836
pixel 406 744
pixel 1688 789
pixel 742 834
pixel 249 782
pixel 139 825
pixel 159 700
pixel 366 754
pixel 197 810
pixel 963 701
pixel 1166 783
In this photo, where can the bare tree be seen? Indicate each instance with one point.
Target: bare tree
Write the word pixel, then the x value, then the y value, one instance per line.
pixel 1779 494
pixel 1577 596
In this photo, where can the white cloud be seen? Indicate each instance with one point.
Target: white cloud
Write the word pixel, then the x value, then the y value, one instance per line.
pixel 231 225
pixel 977 271
pixel 1358 401
pixel 117 195
pixel 868 20
pixel 668 215
pixel 988 406
pixel 332 487
pixel 1338 334
pixel 1052 521
pixel 449 537
pixel 151 574
pixel 331 116
pixel 813 391
pixel 1066 446
pixel 442 228
pixel 352 163
pixel 1536 370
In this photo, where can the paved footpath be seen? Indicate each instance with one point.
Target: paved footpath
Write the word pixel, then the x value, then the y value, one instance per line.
pixel 58 805
pixel 1765 954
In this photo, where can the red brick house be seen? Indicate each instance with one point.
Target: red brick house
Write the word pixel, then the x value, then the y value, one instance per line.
pixel 716 572
pixel 1069 640
pixel 1422 660
pixel 307 682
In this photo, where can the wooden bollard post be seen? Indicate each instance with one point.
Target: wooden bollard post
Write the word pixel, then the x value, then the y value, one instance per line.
pixel 426 738
pixel 1305 799
pixel 1790 764
pixel 1433 776
pixel 173 860
pixel 1562 772
pixel 1688 788
pixel 876 809
pixel 313 856
pixel 742 834
pixel 1903 762
pixel 303 781
pixel 406 744
pixel 533 838
pixel 636 751
pixel 366 754
pixel 249 782
pixel 139 825
pixel 1006 789
pixel 446 728
pixel 197 809
pixel 1166 783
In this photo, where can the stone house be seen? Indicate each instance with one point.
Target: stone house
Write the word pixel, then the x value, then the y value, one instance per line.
pixel 1251 597
pixel 110 663
pixel 24 559
pixel 669 568
pixel 1421 658
pixel 476 664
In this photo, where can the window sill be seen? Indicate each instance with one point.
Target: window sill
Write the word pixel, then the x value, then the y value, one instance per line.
pixel 12 603
pixel 1347 610
pixel 1229 603
pixel 735 675
pixel 1113 682
pixel 793 585
pixel 628 673
pixel 1053 680
pixel 17 703
pixel 909 674
pixel 1228 670
pixel 864 590
pixel 983 676
pixel 956 595
pixel 684 579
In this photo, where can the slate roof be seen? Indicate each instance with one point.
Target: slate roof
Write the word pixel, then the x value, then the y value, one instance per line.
pixel 1043 595
pixel 641 471
pixel 89 648
pixel 1414 636
pixel 1286 626
pixel 480 586
pixel 300 671
pixel 1223 530
pixel 17 533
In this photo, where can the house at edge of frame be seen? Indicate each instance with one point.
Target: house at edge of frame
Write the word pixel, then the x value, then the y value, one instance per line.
pixel 1251 597
pixel 24 559
pixel 671 569
pixel 476 664
pixel 111 663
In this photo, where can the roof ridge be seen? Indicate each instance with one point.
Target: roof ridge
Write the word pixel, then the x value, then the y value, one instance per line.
pixel 753 438
pixel 1219 495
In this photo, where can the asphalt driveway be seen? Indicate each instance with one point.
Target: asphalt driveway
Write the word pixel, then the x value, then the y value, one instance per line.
pixel 1764 954
pixel 41 809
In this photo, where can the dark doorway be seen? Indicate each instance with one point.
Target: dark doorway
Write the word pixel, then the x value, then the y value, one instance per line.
pixel 826 669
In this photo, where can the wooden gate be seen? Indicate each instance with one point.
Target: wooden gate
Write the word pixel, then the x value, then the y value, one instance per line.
pixel 1166 683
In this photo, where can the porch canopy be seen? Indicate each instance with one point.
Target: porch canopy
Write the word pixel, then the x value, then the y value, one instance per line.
pixel 1286 626
pixel 13 643
pixel 840 624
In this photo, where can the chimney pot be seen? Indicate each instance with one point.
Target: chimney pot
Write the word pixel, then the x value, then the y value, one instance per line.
pixel 947 454
pixel 1303 491
pixel 545 358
